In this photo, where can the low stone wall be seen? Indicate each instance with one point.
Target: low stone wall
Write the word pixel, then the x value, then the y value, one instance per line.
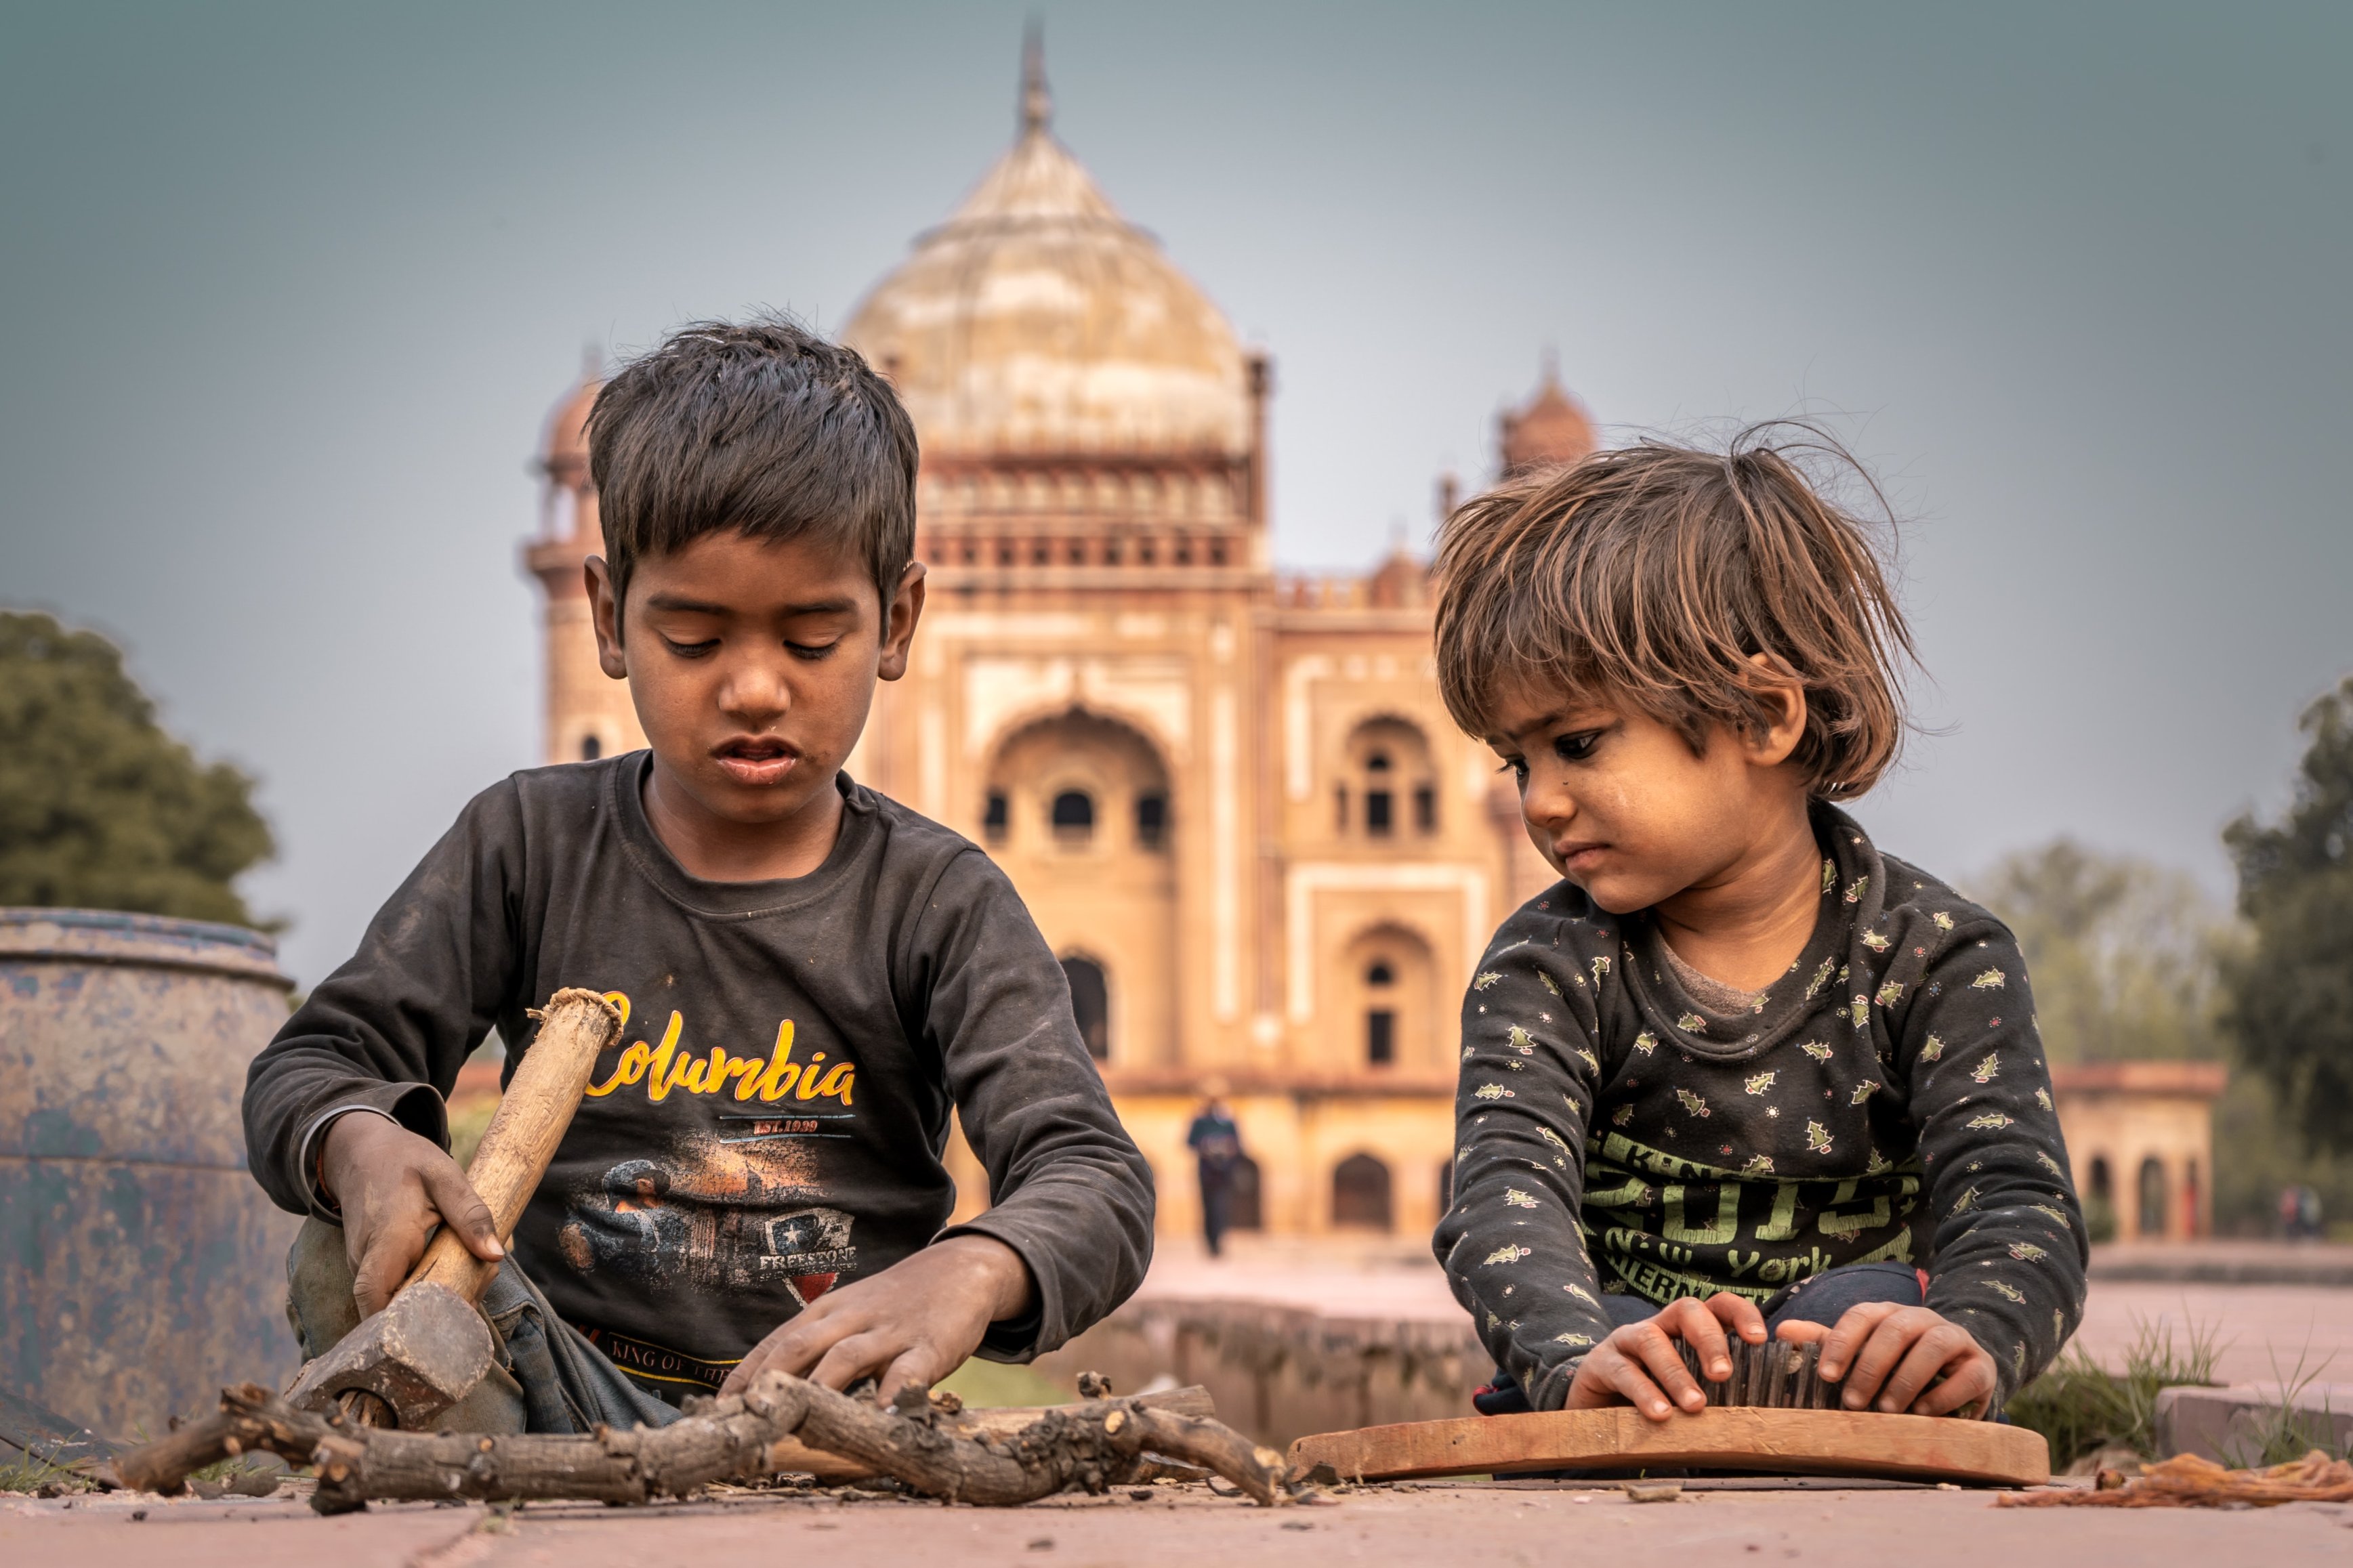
pixel 1280 1373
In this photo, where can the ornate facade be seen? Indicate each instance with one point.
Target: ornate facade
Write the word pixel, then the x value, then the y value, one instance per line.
pixel 1230 795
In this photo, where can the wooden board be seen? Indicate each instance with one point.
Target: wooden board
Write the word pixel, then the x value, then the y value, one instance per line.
pixel 1798 1442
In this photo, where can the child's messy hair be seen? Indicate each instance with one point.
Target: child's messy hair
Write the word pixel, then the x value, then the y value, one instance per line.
pixel 1651 573
pixel 761 426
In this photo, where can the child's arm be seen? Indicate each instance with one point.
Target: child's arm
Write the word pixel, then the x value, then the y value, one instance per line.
pixel 2008 1248
pixel 1511 1241
pixel 343 1113
pixel 1068 1232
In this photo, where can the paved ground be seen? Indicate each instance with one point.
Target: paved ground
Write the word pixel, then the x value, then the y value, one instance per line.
pixel 1522 1523
pixel 1506 1527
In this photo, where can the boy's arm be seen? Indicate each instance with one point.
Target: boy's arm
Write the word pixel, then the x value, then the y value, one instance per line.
pixel 1511 1241
pixel 2009 1244
pixel 1068 1190
pixel 386 1032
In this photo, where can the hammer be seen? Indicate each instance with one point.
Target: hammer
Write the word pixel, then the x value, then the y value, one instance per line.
pixel 428 1348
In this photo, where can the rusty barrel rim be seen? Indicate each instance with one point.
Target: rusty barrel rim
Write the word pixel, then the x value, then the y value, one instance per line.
pixel 121 936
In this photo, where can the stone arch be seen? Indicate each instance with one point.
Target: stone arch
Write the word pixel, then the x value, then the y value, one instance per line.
pixel 1386 784
pixel 1361 1194
pixel 1076 807
pixel 1046 762
pixel 1388 984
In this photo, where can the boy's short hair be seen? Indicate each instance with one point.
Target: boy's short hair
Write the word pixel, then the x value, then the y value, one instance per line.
pixel 761 426
pixel 1649 574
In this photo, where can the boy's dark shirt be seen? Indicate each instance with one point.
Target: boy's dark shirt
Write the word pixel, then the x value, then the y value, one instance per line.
pixel 698 1220
pixel 1611 1136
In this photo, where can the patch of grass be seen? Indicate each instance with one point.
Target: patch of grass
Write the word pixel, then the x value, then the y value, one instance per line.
pixel 2079 1407
pixel 2286 1432
pixel 32 1473
pixel 226 1470
pixel 992 1384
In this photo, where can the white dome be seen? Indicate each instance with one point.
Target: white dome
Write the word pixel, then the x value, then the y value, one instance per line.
pixel 1037 319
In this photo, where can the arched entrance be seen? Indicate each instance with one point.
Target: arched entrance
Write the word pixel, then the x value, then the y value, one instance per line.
pixel 1090 1003
pixel 1248 1210
pixel 1360 1193
pixel 2153 1196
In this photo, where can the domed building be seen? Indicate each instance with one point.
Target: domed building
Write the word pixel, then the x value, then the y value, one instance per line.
pixel 1231 796
pixel 1549 430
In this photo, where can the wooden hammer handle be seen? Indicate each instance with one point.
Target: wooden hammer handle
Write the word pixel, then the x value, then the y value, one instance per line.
pixel 546 1088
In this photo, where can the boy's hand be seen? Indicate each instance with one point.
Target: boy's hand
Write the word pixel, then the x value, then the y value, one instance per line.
pixel 915 1322
pixel 393 1188
pixel 1640 1365
pixel 1896 1352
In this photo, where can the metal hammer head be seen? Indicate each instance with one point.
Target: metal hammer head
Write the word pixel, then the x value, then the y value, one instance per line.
pixel 420 1355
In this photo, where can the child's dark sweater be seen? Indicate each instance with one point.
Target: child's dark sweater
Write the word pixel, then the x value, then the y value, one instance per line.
pixel 773 1117
pixel 1887 1099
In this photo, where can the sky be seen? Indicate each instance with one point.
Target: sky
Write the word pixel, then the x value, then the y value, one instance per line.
pixel 287 293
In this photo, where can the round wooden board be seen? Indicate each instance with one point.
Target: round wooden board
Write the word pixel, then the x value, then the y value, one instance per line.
pixel 1800 1442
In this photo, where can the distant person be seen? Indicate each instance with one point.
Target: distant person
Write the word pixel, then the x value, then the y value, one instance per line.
pixel 713 1215
pixel 2300 1214
pixel 1739 1072
pixel 1217 1145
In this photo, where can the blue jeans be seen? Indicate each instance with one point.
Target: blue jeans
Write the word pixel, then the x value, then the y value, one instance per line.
pixel 1823 1298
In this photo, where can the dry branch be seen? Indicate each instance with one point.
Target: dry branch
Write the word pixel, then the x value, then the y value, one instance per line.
pixel 1099 1444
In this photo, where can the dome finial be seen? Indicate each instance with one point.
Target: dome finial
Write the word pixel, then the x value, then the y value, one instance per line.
pixel 1036 103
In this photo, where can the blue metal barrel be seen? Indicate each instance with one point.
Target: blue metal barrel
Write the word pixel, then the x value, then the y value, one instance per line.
pixel 141 1268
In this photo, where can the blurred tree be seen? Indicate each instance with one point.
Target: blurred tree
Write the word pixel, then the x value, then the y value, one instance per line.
pixel 2121 952
pixel 2290 995
pixel 99 807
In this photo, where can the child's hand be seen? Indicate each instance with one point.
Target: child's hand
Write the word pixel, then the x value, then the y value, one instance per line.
pixel 393 1188
pixel 915 1322
pixel 1896 1352
pixel 1636 1362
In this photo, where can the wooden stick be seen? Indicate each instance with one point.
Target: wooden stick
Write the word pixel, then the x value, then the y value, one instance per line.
pixel 791 1456
pixel 1098 1444
pixel 1798 1442
pixel 531 1121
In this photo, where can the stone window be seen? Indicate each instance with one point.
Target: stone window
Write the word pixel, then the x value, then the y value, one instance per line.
pixel 995 816
pixel 591 748
pixel 1388 766
pixel 1380 1018
pixel 1072 816
pixel 1152 820
pixel 1378 797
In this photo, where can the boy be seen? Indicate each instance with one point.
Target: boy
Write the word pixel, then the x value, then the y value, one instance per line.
pixel 1738 1071
pixel 811 975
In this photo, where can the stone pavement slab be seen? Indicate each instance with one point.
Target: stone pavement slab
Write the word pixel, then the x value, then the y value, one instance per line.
pixel 1185 1528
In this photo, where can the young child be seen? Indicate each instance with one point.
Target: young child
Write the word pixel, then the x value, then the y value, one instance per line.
pixel 1739 1072
pixel 812 975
